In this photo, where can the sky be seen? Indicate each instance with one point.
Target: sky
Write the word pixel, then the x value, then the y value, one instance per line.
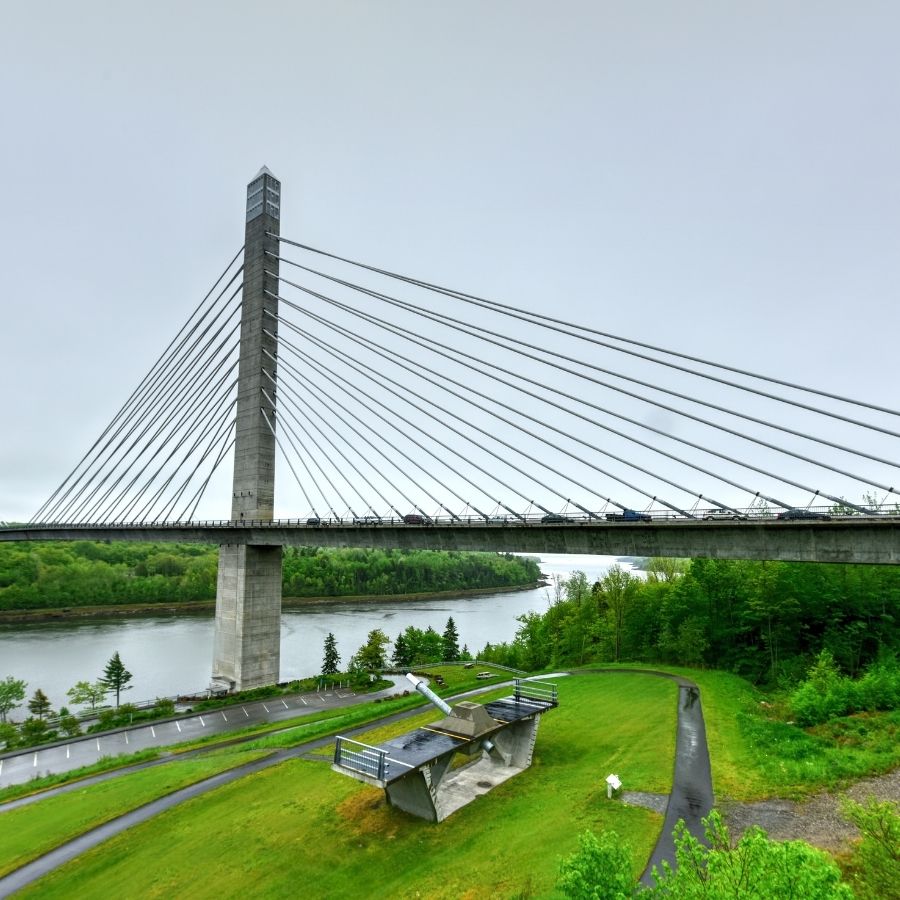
pixel 722 179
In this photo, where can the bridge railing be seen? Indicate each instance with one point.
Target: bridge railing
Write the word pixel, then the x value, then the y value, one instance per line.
pixel 536 692
pixel 359 757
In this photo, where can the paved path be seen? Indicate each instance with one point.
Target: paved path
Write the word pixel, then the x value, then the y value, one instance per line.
pixel 692 797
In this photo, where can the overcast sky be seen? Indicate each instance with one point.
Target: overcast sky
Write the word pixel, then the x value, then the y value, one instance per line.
pixel 723 179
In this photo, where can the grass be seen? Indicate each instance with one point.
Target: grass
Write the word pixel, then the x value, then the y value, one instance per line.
pixel 30 831
pixel 299 828
pixel 755 754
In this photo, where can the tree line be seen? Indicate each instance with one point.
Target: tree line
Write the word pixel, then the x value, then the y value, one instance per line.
pixel 765 621
pixel 86 573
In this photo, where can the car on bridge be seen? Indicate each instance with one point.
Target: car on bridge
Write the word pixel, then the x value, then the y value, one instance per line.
pixel 368 520
pixel 555 519
pixel 796 514
pixel 628 515
pixel 314 520
pixel 725 517
pixel 415 519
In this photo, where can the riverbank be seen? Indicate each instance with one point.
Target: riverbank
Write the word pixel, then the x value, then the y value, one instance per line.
pixel 204 607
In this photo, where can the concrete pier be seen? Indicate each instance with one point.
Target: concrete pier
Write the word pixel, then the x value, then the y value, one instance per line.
pixel 247 642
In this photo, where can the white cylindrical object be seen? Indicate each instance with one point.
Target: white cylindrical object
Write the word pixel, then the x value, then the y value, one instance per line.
pixel 429 694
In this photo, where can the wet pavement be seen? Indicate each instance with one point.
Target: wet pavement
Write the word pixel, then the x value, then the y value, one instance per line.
pixel 17 767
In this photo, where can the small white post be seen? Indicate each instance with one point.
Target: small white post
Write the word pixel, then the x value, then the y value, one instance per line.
pixel 612 784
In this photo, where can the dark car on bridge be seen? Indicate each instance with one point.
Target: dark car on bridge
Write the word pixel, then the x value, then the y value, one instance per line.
pixel 313 521
pixel 555 519
pixel 628 515
pixel 795 514
pixel 414 519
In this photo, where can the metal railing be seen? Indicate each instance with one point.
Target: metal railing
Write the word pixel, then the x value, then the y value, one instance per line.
pixel 536 692
pixel 350 754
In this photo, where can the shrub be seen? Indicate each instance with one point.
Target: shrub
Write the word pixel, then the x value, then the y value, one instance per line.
pixel 875 865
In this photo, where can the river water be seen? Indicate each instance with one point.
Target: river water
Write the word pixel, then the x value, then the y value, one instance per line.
pixel 173 654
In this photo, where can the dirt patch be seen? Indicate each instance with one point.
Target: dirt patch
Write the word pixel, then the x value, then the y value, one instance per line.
pixel 818 820
pixel 368 813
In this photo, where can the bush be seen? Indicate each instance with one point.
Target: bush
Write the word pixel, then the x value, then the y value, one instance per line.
pixel 875 866
pixel 599 870
pixel 826 694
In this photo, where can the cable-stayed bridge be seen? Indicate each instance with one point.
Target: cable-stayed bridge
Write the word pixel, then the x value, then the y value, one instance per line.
pixel 401 413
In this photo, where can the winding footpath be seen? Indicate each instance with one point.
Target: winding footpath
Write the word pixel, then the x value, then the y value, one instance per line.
pixel 691 798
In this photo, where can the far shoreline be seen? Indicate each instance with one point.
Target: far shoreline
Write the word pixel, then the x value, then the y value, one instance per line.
pixel 202 607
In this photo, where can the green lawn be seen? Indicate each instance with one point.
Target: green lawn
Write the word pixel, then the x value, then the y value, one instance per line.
pixel 755 754
pixel 30 831
pixel 299 829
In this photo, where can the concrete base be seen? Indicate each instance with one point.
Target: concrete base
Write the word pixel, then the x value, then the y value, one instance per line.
pixel 434 791
pixel 247 645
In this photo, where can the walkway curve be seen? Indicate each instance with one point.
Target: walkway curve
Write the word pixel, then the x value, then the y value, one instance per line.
pixel 691 798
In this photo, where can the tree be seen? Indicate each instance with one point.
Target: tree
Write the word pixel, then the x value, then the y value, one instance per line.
pixel 756 868
pixel 12 693
pixel 115 676
pixel 402 658
pixel 617 592
pixel 332 657
pixel 371 655
pixel 84 693
pixel 451 641
pixel 599 870
pixel 39 704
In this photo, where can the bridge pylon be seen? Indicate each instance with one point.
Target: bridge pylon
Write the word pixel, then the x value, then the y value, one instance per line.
pixel 247 644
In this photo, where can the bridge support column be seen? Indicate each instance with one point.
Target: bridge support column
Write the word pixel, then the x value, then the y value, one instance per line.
pixel 248 597
pixel 247 648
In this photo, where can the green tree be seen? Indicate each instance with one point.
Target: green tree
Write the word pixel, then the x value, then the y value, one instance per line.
pixel 617 592
pixel 39 704
pixel 332 658
pixel 84 693
pixel 599 870
pixel 450 638
pixel 12 693
pixel 875 864
pixel 371 655
pixel 115 676
pixel 401 657
pixel 755 868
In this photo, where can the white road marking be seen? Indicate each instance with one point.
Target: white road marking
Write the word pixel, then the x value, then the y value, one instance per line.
pixel 35 760
pixel 98 745
pixel 224 717
pixel 152 731
pixel 201 721
pixel 1 766
pixel 266 708
pixel 126 737
pixel 303 702
pixel 285 705
pixel 246 713
pixel 322 699
pixel 178 725
pixel 67 751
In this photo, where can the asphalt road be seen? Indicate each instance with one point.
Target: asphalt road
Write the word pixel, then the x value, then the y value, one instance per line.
pixel 21 766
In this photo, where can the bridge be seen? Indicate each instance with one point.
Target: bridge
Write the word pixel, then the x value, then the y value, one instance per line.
pixel 402 413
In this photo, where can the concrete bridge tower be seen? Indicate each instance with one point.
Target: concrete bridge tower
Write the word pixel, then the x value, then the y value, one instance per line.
pixel 247 643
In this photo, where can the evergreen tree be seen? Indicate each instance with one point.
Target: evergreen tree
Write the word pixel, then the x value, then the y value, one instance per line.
pixel 402 657
pixel 115 676
pixel 451 641
pixel 39 704
pixel 332 657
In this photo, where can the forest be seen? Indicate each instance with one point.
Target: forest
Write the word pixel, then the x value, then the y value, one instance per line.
pixel 56 575
pixel 766 621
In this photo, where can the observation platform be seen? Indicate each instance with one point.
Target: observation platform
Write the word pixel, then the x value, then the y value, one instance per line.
pixel 414 769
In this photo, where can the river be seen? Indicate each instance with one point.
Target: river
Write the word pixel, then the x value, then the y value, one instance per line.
pixel 173 654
